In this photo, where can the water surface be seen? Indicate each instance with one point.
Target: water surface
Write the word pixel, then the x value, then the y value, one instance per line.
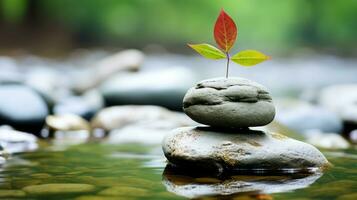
pixel 132 171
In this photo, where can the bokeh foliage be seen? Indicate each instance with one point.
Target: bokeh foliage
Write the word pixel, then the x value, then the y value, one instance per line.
pixel 277 24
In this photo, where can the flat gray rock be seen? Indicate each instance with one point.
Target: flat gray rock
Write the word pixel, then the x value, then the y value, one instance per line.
pixel 205 148
pixel 232 102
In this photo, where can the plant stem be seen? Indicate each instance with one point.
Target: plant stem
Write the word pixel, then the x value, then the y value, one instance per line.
pixel 227 64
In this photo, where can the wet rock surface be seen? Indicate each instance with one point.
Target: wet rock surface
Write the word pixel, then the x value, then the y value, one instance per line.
pixel 22 108
pixel 233 102
pixel 220 150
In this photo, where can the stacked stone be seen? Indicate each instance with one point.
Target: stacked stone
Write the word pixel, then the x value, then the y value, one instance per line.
pixel 229 108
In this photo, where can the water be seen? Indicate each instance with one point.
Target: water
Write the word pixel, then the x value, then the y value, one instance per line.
pixel 132 171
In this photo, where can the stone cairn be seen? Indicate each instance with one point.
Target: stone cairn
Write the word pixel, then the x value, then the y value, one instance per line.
pixel 229 107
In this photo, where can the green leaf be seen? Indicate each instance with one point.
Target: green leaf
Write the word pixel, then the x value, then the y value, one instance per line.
pixel 249 57
pixel 208 51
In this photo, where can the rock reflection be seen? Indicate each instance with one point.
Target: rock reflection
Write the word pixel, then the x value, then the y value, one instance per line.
pixel 252 186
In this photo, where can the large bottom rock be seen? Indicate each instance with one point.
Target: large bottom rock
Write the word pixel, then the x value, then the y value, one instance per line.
pixel 205 148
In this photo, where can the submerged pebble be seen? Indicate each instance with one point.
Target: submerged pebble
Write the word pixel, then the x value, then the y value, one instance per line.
pixel 94 197
pixel 125 191
pixel 11 193
pixel 58 188
pixel 352 196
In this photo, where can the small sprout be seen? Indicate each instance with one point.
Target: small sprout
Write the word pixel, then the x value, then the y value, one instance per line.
pixel 225 34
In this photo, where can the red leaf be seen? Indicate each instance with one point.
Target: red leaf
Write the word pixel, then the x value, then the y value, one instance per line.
pixel 225 31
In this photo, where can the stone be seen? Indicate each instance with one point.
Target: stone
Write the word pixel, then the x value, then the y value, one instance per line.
pixel 2 158
pixel 342 99
pixel 63 139
pixel 127 60
pixel 162 87
pixel 139 134
pixel 333 189
pixel 233 103
pixel 117 117
pixel 93 197
pixel 353 136
pixel 11 193
pixel 58 188
pixel 206 148
pixel 133 124
pixel 182 184
pixel 16 141
pixel 85 106
pixel 303 117
pixel 66 122
pixel 125 191
pixel 67 129
pixel 49 82
pixel 327 140
pixel 10 72
pixel 22 108
pixel 351 196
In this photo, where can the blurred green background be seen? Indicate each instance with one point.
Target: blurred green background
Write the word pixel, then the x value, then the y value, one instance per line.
pixel 326 26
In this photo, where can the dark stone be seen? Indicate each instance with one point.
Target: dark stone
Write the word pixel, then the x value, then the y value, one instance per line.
pixel 22 108
pixel 162 87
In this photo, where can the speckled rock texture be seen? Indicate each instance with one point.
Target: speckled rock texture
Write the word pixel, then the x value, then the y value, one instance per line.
pixel 220 150
pixel 233 103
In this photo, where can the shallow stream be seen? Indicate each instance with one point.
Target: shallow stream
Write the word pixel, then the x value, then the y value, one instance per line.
pixel 128 171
